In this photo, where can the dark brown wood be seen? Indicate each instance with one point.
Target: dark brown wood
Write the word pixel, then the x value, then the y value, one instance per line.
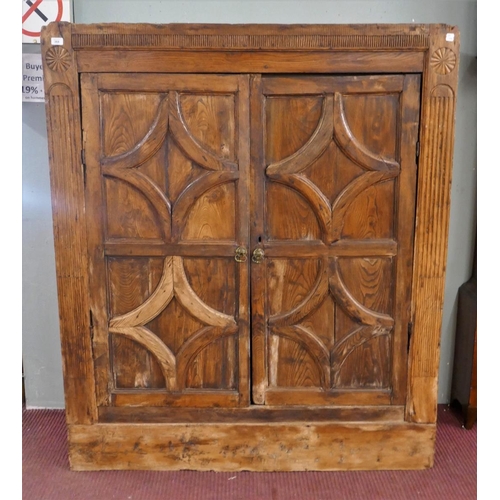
pixel 244 238
pixel 252 414
pixel 464 379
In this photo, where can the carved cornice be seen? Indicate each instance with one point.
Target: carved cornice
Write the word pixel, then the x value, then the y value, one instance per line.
pixel 251 37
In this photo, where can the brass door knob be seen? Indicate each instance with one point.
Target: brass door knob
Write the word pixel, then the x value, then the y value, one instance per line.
pixel 258 255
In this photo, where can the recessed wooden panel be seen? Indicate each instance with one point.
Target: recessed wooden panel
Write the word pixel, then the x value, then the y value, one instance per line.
pixel 367 366
pixel 125 120
pixel 134 367
pixel 211 121
pixel 129 212
pixel 370 281
pixel 291 365
pixel 181 171
pixel 212 216
pixel 332 171
pixel 215 366
pixel 289 216
pixel 321 321
pixel 155 167
pixel 362 357
pixel 290 121
pixel 373 120
pixel 371 213
pixel 175 325
pixel 131 281
pixel 289 283
pixel 214 281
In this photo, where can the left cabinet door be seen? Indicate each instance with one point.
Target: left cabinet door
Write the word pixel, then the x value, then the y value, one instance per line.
pixel 166 161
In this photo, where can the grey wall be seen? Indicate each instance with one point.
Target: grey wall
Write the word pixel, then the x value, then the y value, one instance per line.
pixel 41 355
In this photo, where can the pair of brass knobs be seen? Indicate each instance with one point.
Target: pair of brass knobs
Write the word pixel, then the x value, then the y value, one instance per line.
pixel 241 255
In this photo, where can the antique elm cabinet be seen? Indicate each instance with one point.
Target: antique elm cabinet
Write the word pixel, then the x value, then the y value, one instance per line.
pixel 251 231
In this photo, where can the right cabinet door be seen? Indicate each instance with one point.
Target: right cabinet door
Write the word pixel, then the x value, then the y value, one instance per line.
pixel 334 162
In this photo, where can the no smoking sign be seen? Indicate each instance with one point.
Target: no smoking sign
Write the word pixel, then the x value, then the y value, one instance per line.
pixel 38 13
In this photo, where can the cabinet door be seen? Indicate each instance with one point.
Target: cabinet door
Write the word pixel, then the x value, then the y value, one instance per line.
pixel 166 160
pixel 335 167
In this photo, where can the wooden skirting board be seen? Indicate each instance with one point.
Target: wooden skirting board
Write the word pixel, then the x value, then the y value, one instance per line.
pixel 283 446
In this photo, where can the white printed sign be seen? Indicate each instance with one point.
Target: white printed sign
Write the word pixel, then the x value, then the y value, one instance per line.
pixel 33 78
pixel 38 13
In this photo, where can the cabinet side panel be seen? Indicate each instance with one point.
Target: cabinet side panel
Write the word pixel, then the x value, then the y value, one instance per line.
pixel 68 209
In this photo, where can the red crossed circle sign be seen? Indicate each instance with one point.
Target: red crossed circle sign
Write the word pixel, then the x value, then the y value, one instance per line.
pixel 36 8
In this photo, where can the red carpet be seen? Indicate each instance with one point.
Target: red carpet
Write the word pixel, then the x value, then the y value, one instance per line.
pixel 46 475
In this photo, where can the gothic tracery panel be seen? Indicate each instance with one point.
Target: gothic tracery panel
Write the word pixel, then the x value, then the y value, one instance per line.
pixel 332 182
pixel 168 167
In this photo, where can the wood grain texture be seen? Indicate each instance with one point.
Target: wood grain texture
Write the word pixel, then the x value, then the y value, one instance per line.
pixel 96 224
pixel 174 175
pixel 333 189
pixel 303 85
pixel 310 159
pixel 433 206
pixel 293 446
pixel 251 36
pixel 253 414
pixel 68 205
pixel 405 208
pixel 259 337
pixel 132 366
pixel 134 399
pixel 314 396
pixel 123 61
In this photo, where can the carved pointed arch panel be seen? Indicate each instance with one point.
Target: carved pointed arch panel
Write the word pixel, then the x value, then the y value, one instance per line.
pixel 337 238
pixel 166 159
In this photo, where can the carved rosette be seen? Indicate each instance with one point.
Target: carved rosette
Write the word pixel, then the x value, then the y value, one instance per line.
pixel 58 59
pixel 443 61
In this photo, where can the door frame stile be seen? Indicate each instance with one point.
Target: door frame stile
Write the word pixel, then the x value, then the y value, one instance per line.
pixel 405 210
pixel 438 103
pixel 243 239
pixel 63 112
pixel 258 282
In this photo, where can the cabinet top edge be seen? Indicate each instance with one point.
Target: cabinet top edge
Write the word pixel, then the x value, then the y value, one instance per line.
pixel 186 36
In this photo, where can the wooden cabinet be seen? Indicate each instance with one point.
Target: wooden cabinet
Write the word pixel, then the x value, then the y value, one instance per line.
pixel 250 221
